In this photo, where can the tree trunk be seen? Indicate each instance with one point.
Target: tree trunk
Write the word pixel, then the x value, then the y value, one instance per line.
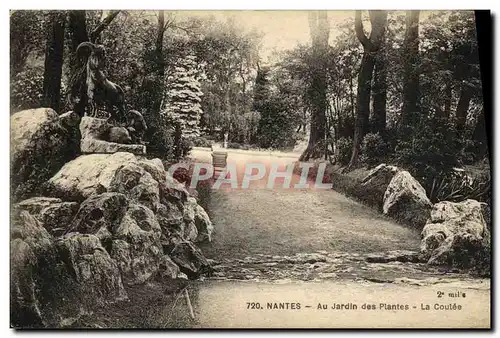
pixel 77 26
pixel 362 104
pixel 480 135
pixel 77 29
pixel 318 22
pixel 371 46
pixel 447 100
pixel 411 73
pixel 159 61
pixel 54 61
pixel 380 91
pixel 466 94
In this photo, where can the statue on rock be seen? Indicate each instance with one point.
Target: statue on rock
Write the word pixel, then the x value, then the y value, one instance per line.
pixel 136 126
pixel 90 87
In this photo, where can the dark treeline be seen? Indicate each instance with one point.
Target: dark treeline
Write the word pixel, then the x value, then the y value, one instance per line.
pixel 400 87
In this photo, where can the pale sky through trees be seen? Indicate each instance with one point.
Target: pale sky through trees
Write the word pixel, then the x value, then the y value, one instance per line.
pixel 284 30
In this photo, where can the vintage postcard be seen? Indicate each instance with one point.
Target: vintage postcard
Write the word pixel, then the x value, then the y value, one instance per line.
pixel 250 169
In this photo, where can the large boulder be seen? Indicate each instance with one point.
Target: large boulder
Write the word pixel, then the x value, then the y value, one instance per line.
pixel 171 217
pixel 456 235
pixel 168 270
pixel 91 266
pixel 173 191
pixel 54 214
pixel 41 142
pixel 29 241
pixel 136 244
pixel 190 259
pixel 203 224
pixel 100 214
pixel 87 175
pixel 155 168
pixel 137 184
pixel 195 215
pixel 28 228
pixel 405 199
pixel 97 134
pixel 55 279
pixel 375 184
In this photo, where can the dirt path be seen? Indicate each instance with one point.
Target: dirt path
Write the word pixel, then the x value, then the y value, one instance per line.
pixel 317 249
pixel 279 221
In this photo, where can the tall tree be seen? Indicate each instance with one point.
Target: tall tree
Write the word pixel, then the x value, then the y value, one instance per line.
pixel 378 122
pixel 54 61
pixel 371 46
pixel 411 93
pixel 183 98
pixel 77 25
pixel 320 32
pixel 159 60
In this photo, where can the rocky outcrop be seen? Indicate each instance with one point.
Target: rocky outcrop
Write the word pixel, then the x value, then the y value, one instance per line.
pixel 196 216
pixel 106 220
pixel 405 199
pixel 54 214
pixel 87 175
pixel 91 267
pixel 41 142
pixel 136 244
pixel 456 235
pixel 29 241
pixel 99 215
pixel 375 184
pixel 98 136
pixel 50 276
pixel 137 184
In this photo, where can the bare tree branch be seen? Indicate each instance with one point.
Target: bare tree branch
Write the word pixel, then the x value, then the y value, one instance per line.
pixel 105 23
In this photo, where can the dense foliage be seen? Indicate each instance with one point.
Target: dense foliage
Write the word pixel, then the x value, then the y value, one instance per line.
pixel 204 76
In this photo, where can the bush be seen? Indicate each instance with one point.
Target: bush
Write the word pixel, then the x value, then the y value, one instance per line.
pixel 429 149
pixel 277 124
pixel 343 151
pixel 234 145
pixel 373 149
pixel 458 185
pixel 26 89
pixel 165 140
pixel 202 142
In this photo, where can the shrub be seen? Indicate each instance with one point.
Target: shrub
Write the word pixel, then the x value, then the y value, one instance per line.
pixel 343 151
pixel 458 185
pixel 26 89
pixel 165 139
pixel 373 149
pixel 234 145
pixel 202 142
pixel 429 149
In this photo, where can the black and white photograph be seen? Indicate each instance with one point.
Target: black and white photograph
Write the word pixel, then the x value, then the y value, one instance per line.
pixel 250 169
